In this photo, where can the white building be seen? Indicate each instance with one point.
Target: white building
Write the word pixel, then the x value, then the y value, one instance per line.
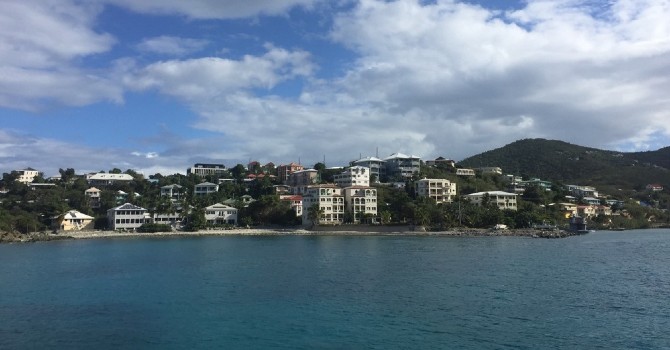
pixel 27 175
pixel 205 188
pixel 375 165
pixel 441 190
pixel 402 166
pixel 465 172
pixel 295 201
pixel 361 201
pixel 174 192
pixel 327 198
pixel 127 217
pixel 353 176
pixel 504 200
pixel 201 169
pixel 220 214
pixel 104 179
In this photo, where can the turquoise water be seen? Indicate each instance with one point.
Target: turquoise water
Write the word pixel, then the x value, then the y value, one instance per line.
pixel 603 290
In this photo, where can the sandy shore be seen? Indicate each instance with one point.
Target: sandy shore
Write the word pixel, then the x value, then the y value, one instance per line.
pixel 287 232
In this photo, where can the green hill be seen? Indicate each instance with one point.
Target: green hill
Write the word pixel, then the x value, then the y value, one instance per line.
pixel 572 164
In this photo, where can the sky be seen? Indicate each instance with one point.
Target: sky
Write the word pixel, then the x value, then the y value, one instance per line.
pixel 158 85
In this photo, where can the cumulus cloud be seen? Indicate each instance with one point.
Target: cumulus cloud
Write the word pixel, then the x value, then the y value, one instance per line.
pixel 213 9
pixel 170 45
pixel 39 44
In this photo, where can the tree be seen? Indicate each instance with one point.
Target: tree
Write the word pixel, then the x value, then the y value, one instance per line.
pixel 314 214
pixel 196 220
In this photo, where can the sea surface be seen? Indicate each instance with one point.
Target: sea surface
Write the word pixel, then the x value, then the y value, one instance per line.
pixel 603 290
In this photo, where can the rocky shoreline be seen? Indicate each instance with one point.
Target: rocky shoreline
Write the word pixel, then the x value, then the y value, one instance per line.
pixel 44 236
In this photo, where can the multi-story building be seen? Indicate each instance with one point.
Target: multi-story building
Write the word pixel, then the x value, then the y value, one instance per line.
pixel 205 188
pixel 441 190
pixel 301 179
pixel 104 179
pixel 376 166
pixel 504 200
pixel 465 172
pixel 202 169
pixel 441 162
pixel 401 166
pixel 174 192
pixel 93 195
pixel 328 199
pixel 295 201
pixel 220 214
pixel 582 191
pixel 127 217
pixel 353 176
pixel 361 201
pixel 284 170
pixel 27 175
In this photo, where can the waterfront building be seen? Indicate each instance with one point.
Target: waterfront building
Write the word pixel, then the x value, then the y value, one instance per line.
pixel 441 190
pixel 203 169
pixel 328 199
pixel 504 200
pixel 220 214
pixel 127 217
pixel 361 201
pixel 295 201
pixel 73 220
pixel 353 176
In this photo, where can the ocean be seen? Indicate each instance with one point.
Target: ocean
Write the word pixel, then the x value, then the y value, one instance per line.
pixel 603 290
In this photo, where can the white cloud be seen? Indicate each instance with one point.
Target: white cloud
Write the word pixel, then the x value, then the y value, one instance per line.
pixel 40 42
pixel 169 45
pixel 210 9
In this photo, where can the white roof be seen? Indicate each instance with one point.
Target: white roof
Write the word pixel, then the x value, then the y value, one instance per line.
pixel 219 206
pixel 401 156
pixel 369 159
pixel 105 176
pixel 127 206
pixel 92 189
pixel 206 184
pixel 74 214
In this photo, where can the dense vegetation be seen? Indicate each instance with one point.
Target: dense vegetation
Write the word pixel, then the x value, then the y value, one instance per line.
pixel 620 176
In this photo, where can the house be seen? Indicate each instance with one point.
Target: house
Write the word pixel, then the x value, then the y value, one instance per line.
pixel 27 175
pixel 504 200
pixel 174 192
pixel 441 162
pixel 654 187
pixel 284 170
pixel 376 166
pixel 205 188
pixel 401 166
pixel 441 190
pixel 591 200
pixel 465 172
pixel 301 179
pixel 104 179
pixel 582 191
pixel 353 176
pixel 490 170
pixel 203 169
pixel 587 211
pixel 568 209
pixel 295 201
pixel 93 195
pixel 221 214
pixel 73 220
pixel 127 217
pixel 281 189
pixel 328 199
pixel 361 201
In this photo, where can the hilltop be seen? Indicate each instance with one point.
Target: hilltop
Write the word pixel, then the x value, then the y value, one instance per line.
pixel 560 161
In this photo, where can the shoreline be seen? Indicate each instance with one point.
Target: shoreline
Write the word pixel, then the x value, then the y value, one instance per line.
pixel 321 231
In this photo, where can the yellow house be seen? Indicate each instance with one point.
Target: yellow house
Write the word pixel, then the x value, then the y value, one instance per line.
pixel 73 221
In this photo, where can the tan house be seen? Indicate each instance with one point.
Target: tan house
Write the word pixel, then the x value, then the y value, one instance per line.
pixel 441 190
pixel 73 220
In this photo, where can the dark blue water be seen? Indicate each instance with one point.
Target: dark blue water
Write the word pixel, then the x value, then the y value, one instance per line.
pixel 599 291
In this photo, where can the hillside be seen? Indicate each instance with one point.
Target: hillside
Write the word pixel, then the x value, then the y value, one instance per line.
pixel 572 164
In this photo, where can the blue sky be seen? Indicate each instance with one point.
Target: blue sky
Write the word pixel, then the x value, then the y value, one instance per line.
pixel 157 85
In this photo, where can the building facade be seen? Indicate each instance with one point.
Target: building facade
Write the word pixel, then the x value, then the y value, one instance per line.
pixel 361 201
pixel 441 190
pixel 504 200
pixel 353 176
pixel 127 217
pixel 401 166
pixel 205 188
pixel 104 179
pixel 221 214
pixel 284 170
pixel 376 166
pixel 174 192
pixel 328 199
pixel 27 175
pixel 202 169
pixel 301 179
pixel 73 220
